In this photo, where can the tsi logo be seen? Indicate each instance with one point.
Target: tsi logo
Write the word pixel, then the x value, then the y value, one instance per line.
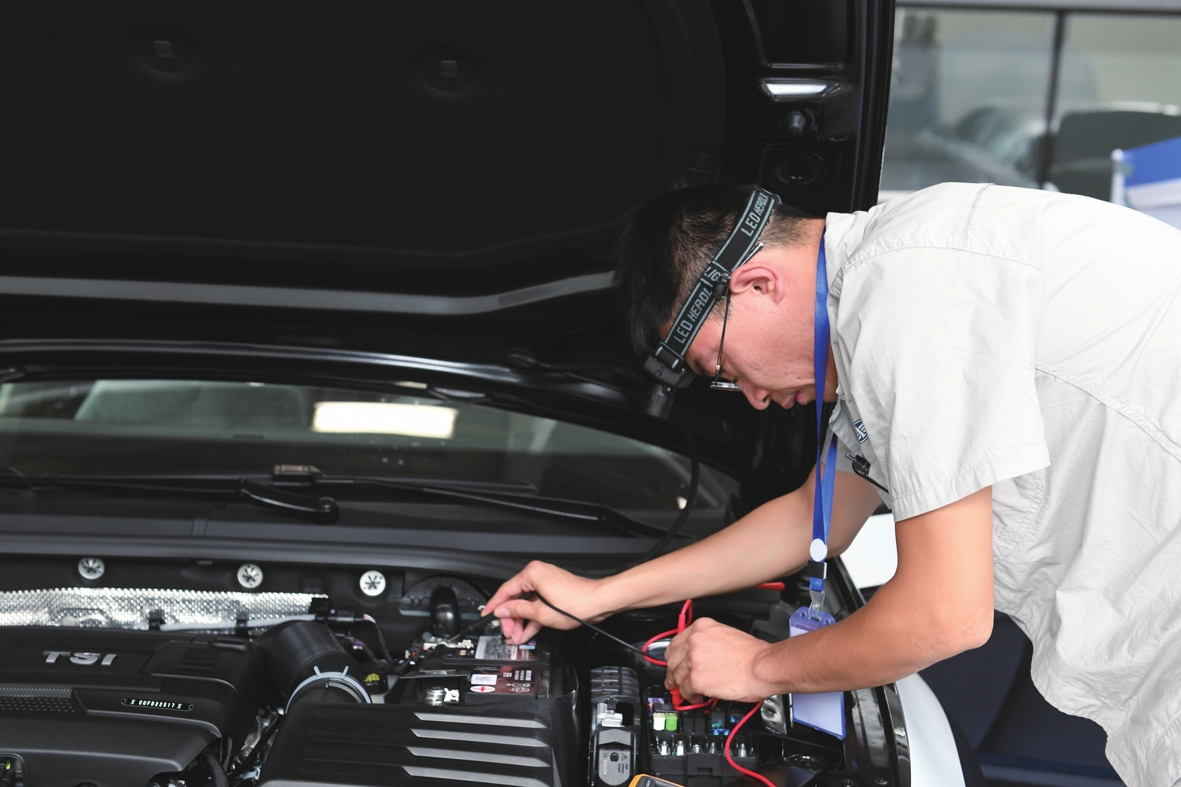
pixel 82 659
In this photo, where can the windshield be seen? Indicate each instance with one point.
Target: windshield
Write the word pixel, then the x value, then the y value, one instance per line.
pixel 205 427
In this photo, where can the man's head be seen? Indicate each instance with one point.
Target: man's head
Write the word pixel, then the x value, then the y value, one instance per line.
pixel 768 345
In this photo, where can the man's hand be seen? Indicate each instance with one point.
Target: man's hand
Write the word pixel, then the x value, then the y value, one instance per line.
pixel 521 619
pixel 713 660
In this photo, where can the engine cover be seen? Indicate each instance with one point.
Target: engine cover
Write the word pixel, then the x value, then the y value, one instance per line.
pixel 114 707
pixel 484 713
pixel 401 746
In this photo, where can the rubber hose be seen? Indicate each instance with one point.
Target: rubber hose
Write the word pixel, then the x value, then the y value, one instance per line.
pixel 214 767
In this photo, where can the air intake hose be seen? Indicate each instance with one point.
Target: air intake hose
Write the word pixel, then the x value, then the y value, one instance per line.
pixel 307 660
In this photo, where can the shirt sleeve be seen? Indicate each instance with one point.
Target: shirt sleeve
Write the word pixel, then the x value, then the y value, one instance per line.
pixel 848 446
pixel 939 346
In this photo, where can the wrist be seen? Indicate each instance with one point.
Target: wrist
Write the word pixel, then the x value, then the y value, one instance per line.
pixel 607 597
pixel 631 589
pixel 765 669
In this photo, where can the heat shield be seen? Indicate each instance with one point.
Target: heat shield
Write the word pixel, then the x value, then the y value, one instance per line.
pixel 129 608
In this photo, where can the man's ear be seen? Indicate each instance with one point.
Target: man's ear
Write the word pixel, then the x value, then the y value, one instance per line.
pixel 761 278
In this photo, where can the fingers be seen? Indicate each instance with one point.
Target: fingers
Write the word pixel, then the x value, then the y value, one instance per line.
pixel 678 650
pixel 518 631
pixel 679 673
pixel 674 653
pixel 681 680
pixel 530 632
pixel 510 628
pixel 511 589
pixel 519 609
pixel 521 618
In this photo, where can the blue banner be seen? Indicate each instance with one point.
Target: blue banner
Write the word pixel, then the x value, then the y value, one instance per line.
pixel 1148 179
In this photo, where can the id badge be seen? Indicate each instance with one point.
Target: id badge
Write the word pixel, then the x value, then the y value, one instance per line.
pixel 824 712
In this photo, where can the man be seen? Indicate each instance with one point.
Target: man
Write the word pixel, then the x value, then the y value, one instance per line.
pixel 1007 363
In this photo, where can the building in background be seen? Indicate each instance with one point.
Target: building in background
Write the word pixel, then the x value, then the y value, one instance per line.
pixel 1034 94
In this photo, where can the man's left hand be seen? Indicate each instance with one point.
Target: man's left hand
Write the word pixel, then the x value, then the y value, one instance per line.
pixel 713 660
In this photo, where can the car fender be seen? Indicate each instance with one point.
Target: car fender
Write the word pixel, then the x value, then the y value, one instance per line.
pixel 934 756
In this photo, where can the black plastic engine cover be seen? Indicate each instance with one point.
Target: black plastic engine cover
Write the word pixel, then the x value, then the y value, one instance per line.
pixel 118 707
pixel 405 746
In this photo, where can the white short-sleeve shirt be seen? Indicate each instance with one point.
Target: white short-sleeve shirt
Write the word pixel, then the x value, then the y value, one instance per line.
pixel 1031 341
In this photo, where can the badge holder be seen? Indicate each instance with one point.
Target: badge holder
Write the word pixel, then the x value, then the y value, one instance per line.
pixel 824 712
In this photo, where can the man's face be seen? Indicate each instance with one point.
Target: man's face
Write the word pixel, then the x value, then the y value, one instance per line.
pixel 769 339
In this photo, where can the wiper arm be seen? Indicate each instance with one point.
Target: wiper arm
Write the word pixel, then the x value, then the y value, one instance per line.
pixel 561 509
pixel 321 510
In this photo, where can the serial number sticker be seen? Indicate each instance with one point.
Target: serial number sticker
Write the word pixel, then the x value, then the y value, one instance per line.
pixel 484 679
pixel 136 702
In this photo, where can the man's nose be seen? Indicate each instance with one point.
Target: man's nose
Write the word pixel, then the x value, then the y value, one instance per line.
pixel 759 398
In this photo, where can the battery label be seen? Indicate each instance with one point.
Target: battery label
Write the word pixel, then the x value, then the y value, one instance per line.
pixel 494 648
pixel 504 680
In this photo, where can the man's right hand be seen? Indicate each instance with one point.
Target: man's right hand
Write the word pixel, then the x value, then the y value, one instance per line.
pixel 522 619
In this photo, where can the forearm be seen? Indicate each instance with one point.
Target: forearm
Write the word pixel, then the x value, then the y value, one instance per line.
pixel 939 603
pixel 769 542
pixel 885 641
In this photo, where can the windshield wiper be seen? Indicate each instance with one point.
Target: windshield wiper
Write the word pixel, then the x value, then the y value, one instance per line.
pixel 321 510
pixel 562 509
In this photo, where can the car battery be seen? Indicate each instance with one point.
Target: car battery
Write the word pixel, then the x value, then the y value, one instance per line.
pixel 480 670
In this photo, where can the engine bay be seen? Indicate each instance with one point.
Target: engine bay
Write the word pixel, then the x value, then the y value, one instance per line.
pixel 322 682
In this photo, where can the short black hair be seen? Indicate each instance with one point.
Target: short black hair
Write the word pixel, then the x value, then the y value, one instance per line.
pixel 668 242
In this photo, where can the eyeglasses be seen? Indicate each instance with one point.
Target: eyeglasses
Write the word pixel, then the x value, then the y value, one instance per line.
pixel 718 383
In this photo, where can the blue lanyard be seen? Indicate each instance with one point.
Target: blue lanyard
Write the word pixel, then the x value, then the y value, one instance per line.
pixel 825 481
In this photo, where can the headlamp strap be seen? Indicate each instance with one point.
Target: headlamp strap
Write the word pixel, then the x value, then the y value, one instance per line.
pixel 711 285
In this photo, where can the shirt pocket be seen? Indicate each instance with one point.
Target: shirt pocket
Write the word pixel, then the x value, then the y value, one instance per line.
pixel 1016 504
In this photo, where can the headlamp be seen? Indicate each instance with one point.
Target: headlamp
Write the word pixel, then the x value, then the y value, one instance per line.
pixel 667 364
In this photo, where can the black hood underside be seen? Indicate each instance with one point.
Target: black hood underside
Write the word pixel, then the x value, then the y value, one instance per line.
pixel 441 180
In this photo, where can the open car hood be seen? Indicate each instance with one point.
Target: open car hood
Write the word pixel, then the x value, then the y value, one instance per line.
pixel 441 179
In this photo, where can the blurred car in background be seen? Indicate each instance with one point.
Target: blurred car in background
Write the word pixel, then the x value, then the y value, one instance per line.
pixel 1085 138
